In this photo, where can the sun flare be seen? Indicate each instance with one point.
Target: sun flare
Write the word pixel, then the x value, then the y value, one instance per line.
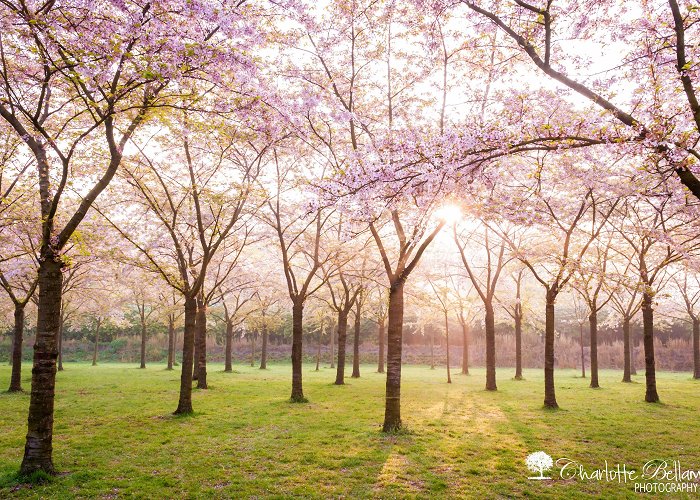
pixel 449 214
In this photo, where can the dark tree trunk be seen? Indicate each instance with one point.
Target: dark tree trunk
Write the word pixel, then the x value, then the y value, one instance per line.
pixel 382 342
pixel 297 343
pixel 171 341
pixel 201 339
pixel 465 348
pixel 583 354
pixel 228 342
pixel 16 358
pixel 263 349
pixel 342 340
pixel 143 342
pixel 60 343
pixel 38 447
pixel 447 345
pixel 490 331
pixel 97 342
pixel 626 374
pixel 696 347
pixel 333 334
pixel 518 343
pixel 593 329
pixel 648 318
pixel 184 405
pixel 356 344
pixel 392 410
pixel 550 399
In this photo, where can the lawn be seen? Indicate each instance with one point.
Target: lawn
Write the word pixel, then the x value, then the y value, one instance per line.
pixel 115 435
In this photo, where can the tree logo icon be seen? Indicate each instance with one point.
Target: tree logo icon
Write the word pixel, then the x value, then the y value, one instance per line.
pixel 539 462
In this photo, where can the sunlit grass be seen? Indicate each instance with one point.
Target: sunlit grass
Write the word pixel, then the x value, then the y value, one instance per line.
pixel 115 435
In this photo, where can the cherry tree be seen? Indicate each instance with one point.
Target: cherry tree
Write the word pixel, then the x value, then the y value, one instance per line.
pixel 76 77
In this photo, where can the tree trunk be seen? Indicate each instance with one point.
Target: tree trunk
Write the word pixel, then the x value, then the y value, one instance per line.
pixel 650 373
pixel 97 342
pixel 550 400
pixel 201 340
pixel 392 410
pixel 333 334
pixel 38 447
pixel 263 349
pixel 696 347
pixel 447 345
pixel 228 345
pixel 60 343
pixel 518 344
pixel 593 329
pixel 382 342
pixel 465 348
pixel 16 358
pixel 184 405
pixel 626 374
pixel 342 340
pixel 490 330
pixel 12 350
pixel 143 341
pixel 356 344
pixel 583 354
pixel 171 341
pixel 297 342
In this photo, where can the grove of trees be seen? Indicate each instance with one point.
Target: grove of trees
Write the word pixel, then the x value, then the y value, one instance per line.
pixel 212 173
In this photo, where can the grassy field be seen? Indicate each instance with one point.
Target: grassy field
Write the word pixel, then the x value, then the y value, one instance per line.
pixel 115 436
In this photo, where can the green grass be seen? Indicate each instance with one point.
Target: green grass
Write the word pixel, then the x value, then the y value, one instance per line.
pixel 115 435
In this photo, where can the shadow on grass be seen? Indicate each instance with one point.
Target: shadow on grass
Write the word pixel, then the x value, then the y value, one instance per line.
pixel 16 481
